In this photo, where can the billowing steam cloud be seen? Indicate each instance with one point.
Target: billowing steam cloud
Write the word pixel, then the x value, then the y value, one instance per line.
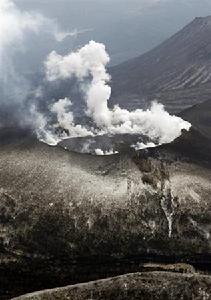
pixel 17 27
pixel 14 26
pixel 89 63
pixel 66 120
pixel 40 123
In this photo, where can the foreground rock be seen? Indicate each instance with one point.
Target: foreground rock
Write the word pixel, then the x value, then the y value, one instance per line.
pixel 152 285
pixel 67 218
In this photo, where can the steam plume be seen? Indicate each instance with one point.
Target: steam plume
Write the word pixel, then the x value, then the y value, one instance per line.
pixel 16 28
pixel 66 120
pixel 89 63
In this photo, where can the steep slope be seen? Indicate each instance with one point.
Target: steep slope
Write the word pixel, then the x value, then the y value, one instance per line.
pixel 177 73
pixel 200 116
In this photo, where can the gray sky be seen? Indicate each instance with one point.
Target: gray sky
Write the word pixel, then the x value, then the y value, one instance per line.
pixel 127 27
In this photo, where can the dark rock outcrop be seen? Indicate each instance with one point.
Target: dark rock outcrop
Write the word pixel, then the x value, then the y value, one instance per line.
pixel 152 285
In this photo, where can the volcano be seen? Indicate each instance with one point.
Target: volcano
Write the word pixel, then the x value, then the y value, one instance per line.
pixel 177 73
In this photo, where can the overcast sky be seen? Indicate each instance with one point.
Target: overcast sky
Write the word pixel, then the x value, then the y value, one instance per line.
pixel 127 27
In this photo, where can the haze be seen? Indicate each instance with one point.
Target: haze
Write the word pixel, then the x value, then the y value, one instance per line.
pixel 127 27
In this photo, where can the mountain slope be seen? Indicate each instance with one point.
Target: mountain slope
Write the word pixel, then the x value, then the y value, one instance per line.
pixel 67 218
pixel 200 116
pixel 177 72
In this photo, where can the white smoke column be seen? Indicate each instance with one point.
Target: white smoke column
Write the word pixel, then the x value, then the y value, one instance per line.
pixel 91 61
pixel 41 124
pixel 66 120
pixel 88 61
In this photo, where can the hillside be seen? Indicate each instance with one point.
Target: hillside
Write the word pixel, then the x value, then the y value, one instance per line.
pixel 67 218
pixel 176 73
pixel 199 115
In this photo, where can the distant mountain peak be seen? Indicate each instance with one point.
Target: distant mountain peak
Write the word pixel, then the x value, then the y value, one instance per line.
pixel 202 20
pixel 176 73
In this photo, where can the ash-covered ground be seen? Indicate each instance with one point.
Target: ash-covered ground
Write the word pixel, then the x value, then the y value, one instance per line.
pixel 68 217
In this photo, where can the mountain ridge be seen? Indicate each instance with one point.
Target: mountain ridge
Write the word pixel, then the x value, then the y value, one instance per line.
pixel 177 72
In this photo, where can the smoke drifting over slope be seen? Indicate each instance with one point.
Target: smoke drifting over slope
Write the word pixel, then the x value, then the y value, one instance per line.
pixel 17 30
pixel 88 65
pixel 14 28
